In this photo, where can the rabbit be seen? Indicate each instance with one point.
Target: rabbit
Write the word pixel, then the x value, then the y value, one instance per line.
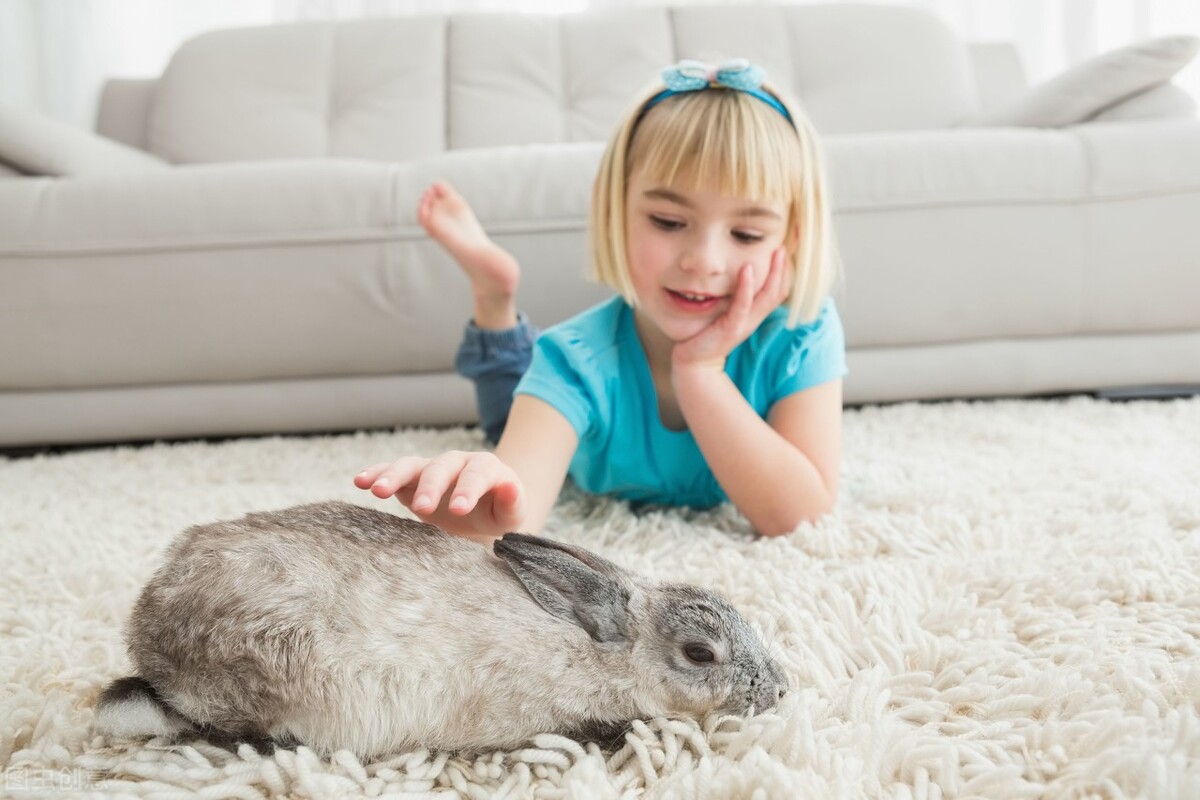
pixel 345 628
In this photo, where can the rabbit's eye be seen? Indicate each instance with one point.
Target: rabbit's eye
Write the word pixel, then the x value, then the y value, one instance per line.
pixel 699 653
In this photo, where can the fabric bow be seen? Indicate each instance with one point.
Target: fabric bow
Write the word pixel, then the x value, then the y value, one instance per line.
pixel 690 75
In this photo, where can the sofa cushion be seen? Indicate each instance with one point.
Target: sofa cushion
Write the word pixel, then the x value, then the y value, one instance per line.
pixel 1088 88
pixel 365 89
pixel 946 235
pixel 203 273
pixel 403 88
pixel 855 68
pixel 1164 101
pixel 274 271
pixel 520 79
pixel 1142 271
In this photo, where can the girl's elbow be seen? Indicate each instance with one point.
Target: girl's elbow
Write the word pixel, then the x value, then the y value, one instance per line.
pixel 788 523
pixel 771 533
pixel 773 530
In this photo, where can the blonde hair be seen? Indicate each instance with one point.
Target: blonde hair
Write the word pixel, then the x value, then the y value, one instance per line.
pixel 731 142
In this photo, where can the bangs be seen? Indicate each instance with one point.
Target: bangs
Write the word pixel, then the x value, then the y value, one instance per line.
pixel 719 139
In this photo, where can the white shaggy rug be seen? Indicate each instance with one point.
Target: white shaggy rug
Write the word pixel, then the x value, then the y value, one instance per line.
pixel 1006 604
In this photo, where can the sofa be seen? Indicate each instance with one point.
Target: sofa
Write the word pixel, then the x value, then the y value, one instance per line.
pixel 235 250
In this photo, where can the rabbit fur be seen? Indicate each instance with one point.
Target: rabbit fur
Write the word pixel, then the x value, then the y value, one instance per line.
pixel 342 627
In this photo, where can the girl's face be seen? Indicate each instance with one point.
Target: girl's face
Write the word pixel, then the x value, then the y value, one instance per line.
pixel 685 249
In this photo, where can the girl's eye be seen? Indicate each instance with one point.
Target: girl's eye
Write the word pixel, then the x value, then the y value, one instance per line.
pixel 747 238
pixel 667 224
pixel 699 653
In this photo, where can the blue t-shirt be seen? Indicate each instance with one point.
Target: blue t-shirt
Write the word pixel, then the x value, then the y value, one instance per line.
pixel 593 370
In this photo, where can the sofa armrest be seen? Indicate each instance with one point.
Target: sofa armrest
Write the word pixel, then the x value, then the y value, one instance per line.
pixel 1162 102
pixel 999 75
pixel 196 207
pixel 124 108
pixel 38 145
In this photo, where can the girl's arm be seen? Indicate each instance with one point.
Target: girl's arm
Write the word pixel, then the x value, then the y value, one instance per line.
pixel 482 495
pixel 538 444
pixel 778 472
pixel 781 471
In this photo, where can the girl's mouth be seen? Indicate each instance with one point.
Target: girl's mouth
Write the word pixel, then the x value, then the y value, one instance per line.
pixel 688 301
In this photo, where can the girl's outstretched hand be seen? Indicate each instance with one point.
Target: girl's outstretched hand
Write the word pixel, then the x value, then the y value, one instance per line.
pixel 711 346
pixel 475 495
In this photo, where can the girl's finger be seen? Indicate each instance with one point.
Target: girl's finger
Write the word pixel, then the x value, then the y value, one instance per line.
pixel 743 297
pixel 508 504
pixel 397 475
pixel 364 479
pixel 438 476
pixel 405 495
pixel 474 481
pixel 771 284
pixel 768 297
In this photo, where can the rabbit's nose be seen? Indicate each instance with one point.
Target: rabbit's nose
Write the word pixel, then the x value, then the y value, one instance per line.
pixel 779 693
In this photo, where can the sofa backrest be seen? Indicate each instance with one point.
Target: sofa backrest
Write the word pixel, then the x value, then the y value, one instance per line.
pixel 407 87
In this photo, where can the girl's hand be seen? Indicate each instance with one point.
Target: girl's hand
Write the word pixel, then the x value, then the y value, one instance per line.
pixel 710 347
pixel 475 495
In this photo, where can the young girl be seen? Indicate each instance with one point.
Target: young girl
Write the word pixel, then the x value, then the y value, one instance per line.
pixel 693 386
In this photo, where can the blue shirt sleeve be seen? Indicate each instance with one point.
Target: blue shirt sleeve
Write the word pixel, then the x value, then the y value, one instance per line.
pixel 554 376
pixel 811 354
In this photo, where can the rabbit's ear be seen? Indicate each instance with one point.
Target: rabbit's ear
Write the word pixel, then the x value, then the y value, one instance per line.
pixel 570 583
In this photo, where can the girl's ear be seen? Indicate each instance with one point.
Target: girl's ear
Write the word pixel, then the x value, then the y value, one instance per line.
pixel 792 240
pixel 789 275
pixel 791 244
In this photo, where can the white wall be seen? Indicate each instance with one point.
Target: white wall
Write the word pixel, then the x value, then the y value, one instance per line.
pixel 55 54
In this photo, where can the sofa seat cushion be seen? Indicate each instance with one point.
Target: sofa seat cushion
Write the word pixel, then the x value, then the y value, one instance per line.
pixel 200 274
pixel 295 270
pixel 1008 233
pixel 271 271
pixel 1143 273
pixel 944 235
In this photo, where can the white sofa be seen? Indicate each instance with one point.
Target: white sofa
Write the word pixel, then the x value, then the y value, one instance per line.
pixel 247 259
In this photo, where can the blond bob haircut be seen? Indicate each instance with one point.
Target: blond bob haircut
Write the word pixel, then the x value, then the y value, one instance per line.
pixel 735 144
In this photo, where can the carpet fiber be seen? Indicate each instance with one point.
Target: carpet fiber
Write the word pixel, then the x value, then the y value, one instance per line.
pixel 1006 604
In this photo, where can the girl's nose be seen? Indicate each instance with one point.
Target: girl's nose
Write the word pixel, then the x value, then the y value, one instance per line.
pixel 704 257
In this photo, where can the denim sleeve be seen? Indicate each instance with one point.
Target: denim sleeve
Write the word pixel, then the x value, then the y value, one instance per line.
pixel 495 361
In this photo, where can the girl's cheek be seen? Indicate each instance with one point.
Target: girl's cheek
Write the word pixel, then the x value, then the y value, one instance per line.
pixel 762 269
pixel 645 250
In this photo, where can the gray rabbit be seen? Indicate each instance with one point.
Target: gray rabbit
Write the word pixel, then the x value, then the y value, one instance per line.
pixel 341 627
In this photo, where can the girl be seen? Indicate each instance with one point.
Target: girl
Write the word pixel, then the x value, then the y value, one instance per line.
pixel 692 386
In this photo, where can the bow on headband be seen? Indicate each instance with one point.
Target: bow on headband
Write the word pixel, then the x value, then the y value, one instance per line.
pixel 694 76
pixel 690 76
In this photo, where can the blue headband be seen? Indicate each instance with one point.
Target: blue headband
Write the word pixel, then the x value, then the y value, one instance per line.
pixel 693 76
